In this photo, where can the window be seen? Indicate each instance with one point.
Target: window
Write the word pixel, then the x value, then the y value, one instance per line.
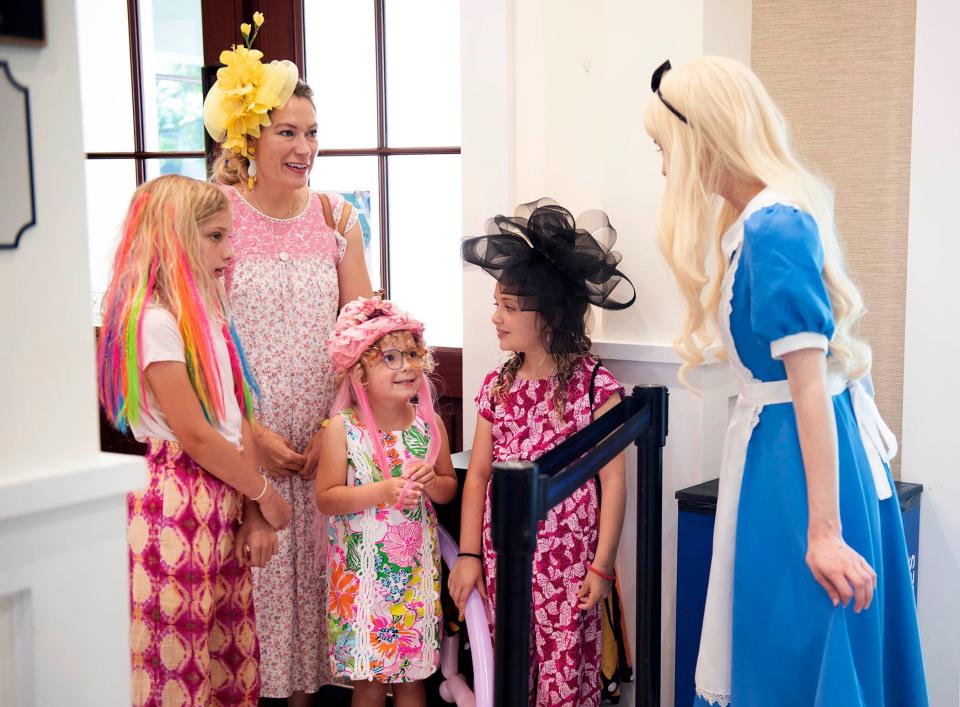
pixel 142 108
pixel 387 78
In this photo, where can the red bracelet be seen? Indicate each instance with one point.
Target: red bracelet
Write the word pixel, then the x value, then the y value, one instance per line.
pixel 608 577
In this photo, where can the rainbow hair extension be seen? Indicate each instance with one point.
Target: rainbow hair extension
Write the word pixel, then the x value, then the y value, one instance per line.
pixel 152 265
pixel 119 337
pixel 198 346
pixel 244 383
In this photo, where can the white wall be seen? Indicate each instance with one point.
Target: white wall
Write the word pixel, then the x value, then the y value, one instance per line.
pixel 47 343
pixel 63 559
pixel 488 139
pixel 931 446
pixel 553 101
pixel 553 95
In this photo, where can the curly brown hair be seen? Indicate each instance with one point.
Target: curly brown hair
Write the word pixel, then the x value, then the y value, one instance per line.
pixel 566 365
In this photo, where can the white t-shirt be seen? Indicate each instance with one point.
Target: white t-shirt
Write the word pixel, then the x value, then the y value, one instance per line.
pixel 162 342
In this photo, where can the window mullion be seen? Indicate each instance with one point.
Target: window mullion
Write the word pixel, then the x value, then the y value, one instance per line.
pixel 381 49
pixel 136 86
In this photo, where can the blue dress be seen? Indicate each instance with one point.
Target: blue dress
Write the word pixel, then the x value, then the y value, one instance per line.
pixel 771 635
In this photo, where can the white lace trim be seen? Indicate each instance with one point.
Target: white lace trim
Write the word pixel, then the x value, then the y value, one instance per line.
pixel 429 592
pixel 714 698
pixel 361 454
pixel 367 574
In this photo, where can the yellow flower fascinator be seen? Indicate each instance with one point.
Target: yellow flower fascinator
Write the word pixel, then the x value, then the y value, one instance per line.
pixel 237 105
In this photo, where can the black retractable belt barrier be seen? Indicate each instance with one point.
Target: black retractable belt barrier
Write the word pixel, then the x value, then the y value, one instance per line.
pixel 523 492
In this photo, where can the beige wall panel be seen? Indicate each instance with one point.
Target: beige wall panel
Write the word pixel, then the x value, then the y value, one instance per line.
pixel 842 72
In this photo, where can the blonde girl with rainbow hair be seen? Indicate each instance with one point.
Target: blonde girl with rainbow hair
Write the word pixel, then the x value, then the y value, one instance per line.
pixel 173 372
pixel 810 599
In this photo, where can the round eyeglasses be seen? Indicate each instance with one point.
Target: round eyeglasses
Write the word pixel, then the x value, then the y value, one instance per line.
pixel 393 358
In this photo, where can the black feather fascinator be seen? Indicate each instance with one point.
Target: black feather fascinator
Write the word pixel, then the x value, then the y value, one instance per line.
pixel 556 265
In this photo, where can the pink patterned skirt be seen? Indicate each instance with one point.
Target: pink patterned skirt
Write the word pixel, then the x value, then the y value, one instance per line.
pixel 565 642
pixel 193 636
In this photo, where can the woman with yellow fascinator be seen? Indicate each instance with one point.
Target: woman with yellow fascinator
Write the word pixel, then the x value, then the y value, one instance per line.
pixel 299 257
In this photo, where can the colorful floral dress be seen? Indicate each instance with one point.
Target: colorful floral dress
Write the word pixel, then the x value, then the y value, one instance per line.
pixel 384 598
pixel 566 641
pixel 284 293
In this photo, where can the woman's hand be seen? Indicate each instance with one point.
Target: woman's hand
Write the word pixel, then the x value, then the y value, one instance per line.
pixel 422 473
pixel 312 456
pixel 275 453
pixel 256 541
pixel 467 574
pixel 593 590
pixel 275 509
pixel 841 571
pixel 393 488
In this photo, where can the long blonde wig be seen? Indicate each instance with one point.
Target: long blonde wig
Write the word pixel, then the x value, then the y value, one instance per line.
pixel 734 132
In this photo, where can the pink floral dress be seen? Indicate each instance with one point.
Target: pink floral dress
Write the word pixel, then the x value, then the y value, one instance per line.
pixel 566 641
pixel 284 295
pixel 384 600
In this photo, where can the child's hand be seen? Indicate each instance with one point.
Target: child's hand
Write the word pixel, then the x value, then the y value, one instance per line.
pixel 593 590
pixel 276 454
pixel 256 541
pixel 421 472
pixel 393 487
pixel 466 574
pixel 276 511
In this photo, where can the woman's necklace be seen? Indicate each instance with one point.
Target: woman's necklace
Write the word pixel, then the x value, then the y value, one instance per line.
pixel 290 211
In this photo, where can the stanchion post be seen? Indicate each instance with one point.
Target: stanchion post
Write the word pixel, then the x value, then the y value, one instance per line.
pixel 517 491
pixel 649 543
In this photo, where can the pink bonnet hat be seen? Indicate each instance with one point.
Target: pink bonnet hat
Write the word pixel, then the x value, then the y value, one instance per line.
pixel 361 324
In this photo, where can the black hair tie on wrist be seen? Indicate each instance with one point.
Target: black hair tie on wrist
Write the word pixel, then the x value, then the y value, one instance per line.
pixel 470 554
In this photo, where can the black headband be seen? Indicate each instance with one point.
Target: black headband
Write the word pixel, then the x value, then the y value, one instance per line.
pixel 655 87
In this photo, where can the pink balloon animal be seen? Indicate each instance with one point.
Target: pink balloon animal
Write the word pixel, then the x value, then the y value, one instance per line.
pixel 454 688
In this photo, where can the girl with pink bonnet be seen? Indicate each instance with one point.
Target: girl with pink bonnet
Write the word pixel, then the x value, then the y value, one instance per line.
pixel 384 462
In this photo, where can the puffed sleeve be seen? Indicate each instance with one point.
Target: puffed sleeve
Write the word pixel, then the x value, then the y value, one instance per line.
pixel 789 304
pixel 484 399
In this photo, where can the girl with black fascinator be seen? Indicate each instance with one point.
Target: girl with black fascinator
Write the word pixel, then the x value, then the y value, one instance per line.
pixel 548 269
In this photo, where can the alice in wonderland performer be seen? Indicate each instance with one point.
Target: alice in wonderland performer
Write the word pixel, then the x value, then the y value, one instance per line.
pixel 810 600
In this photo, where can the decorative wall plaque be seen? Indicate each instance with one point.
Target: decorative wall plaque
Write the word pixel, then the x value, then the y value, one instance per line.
pixel 16 160
pixel 22 22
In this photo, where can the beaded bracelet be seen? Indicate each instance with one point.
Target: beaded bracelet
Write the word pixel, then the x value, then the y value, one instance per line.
pixel 608 577
pixel 470 554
